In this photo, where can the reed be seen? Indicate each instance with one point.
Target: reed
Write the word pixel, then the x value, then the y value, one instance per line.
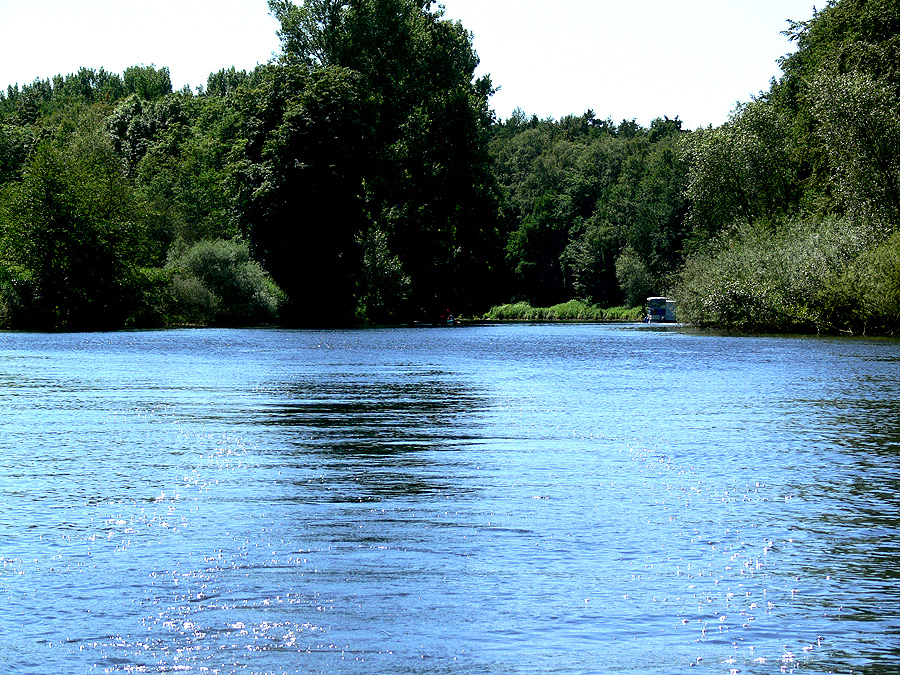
pixel 573 310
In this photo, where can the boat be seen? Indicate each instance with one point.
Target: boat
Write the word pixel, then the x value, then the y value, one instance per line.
pixel 660 310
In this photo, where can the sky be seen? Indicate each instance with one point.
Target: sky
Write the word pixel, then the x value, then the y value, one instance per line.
pixel 634 59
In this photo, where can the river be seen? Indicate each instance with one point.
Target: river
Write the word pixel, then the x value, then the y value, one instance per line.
pixel 488 499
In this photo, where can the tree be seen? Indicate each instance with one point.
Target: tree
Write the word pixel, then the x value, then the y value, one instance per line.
pixel 422 174
pixel 634 277
pixel 859 126
pixel 384 289
pixel 295 183
pixel 536 249
pixel 147 82
pixel 310 33
pixel 590 257
pixel 137 124
pixel 178 150
pixel 70 242
pixel 15 143
pixel 744 170
pixel 225 82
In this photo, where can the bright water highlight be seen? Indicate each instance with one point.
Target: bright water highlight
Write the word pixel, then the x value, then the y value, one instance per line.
pixel 496 499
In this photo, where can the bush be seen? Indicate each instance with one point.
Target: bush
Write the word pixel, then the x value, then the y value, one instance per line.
pixel 762 278
pixel 573 310
pixel 520 311
pixel 624 313
pixel 217 282
pixel 866 297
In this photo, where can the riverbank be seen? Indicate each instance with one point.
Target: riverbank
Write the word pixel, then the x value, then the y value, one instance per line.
pixel 574 310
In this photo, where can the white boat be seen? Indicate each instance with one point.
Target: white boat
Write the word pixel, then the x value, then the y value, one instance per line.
pixel 660 310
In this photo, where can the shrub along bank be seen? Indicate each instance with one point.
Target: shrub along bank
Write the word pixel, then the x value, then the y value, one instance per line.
pixel 574 310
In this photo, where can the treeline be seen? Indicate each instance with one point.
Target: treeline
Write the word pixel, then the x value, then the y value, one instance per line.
pixel 348 182
pixel 782 219
pixel 363 178
pixel 593 210
pixel 113 210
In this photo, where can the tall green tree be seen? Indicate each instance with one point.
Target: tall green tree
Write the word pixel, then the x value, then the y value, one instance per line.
pixel 295 182
pixel 311 33
pixel 426 175
pixel 70 239
pixel 859 127
pixel 745 170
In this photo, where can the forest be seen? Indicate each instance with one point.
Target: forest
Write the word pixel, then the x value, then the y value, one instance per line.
pixel 362 178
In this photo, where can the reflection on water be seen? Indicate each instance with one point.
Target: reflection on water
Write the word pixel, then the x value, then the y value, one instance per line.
pixel 512 499
pixel 377 415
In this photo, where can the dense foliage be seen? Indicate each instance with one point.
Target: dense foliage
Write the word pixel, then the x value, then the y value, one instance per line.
pixel 795 201
pixel 362 177
pixel 592 210
pixel 354 173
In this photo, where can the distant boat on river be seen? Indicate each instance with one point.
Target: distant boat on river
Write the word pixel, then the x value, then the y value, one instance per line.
pixel 660 310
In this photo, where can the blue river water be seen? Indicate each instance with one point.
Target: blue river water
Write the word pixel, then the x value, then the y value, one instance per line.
pixel 488 499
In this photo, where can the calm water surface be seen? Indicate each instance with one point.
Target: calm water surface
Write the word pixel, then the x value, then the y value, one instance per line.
pixel 504 499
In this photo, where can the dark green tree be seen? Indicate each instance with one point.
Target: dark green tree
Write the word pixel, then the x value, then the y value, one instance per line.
pixel 424 168
pixel 297 187
pixel 70 238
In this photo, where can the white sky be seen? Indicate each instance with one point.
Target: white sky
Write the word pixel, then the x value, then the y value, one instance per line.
pixel 624 59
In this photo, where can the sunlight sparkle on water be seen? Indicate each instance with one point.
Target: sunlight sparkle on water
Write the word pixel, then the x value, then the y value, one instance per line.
pixel 494 499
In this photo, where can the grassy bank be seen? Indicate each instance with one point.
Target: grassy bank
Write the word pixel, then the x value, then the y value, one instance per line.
pixel 574 310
